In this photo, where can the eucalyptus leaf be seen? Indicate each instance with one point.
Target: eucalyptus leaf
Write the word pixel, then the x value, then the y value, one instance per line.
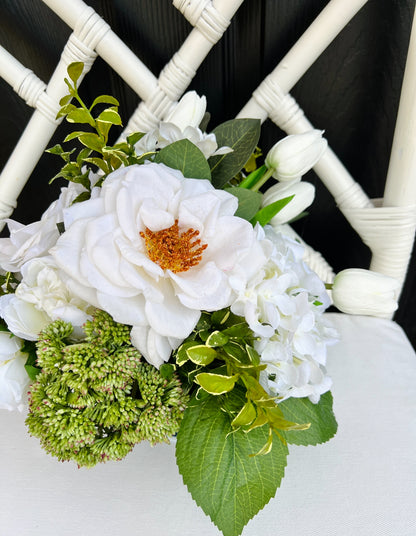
pixel 216 463
pixel 241 135
pixel 186 157
pixel 248 202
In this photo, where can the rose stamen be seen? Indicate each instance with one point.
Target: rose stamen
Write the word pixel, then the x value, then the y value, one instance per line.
pixel 172 250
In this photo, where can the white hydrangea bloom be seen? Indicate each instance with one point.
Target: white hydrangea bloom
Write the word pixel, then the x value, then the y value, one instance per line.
pixel 283 302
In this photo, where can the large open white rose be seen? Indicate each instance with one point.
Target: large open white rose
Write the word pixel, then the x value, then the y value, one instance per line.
pixel 153 250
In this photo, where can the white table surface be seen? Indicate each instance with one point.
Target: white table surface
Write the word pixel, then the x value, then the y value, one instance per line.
pixel 361 483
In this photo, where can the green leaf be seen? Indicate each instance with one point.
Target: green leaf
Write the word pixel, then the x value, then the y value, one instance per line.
pixel 216 338
pixel 104 99
pixel 216 384
pixel 65 100
pixel 79 115
pixel 134 138
pixel 92 141
pixel 75 134
pixel 110 116
pixel 75 70
pixel 216 463
pixel 268 212
pixel 66 109
pixel 322 419
pixel 242 136
pixel 186 157
pixel 248 202
pixel 99 162
pixel 201 354
pixel 253 178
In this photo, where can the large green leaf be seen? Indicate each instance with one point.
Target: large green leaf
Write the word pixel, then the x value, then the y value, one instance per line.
pixel 186 157
pixel 242 135
pixel 322 419
pixel 217 466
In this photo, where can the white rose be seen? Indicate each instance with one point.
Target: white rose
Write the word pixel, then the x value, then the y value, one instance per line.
pixel 35 239
pixel 13 377
pixel 43 287
pixel 22 318
pixel 154 249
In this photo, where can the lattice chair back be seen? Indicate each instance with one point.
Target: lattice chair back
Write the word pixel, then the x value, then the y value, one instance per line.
pixel 387 226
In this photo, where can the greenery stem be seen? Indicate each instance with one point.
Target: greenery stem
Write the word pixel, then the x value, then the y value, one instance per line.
pixel 263 180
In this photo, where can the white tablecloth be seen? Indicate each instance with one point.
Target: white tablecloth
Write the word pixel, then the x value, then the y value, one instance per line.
pixel 361 483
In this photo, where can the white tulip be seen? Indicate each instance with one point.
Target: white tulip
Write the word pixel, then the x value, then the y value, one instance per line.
pixel 294 155
pixel 13 377
pixel 188 112
pixel 358 291
pixel 304 193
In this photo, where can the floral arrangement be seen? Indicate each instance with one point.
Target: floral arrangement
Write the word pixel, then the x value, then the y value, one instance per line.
pixel 162 295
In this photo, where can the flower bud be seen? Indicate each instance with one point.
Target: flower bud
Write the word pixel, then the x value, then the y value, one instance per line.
pixel 357 291
pixel 294 155
pixel 304 193
pixel 188 112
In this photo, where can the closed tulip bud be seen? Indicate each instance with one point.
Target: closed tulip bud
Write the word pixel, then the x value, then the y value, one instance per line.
pixel 294 155
pixel 188 112
pixel 304 193
pixel 357 291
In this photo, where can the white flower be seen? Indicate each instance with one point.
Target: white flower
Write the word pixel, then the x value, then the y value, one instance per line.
pixel 363 292
pixel 294 155
pixel 304 193
pixel 42 286
pixel 34 240
pixel 182 123
pixel 153 250
pixel 282 302
pixel 189 111
pixel 13 377
pixel 22 318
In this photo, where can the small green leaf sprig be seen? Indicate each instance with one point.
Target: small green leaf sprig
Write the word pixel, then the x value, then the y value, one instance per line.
pixel 94 400
pixel 110 157
pixel 220 355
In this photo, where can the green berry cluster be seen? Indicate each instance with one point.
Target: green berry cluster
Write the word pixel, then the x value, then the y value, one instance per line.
pixel 94 400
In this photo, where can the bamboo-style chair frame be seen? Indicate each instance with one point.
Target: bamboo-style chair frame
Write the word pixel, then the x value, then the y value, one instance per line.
pixel 387 226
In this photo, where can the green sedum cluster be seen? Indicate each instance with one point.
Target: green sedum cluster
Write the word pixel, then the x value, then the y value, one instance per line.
pixel 94 400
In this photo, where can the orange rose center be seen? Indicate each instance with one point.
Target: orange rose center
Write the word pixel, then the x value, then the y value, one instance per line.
pixel 173 250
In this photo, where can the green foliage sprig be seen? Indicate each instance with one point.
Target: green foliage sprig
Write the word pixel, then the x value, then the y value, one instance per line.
pixel 110 157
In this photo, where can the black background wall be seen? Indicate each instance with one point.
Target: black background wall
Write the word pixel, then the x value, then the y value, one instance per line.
pixel 352 92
